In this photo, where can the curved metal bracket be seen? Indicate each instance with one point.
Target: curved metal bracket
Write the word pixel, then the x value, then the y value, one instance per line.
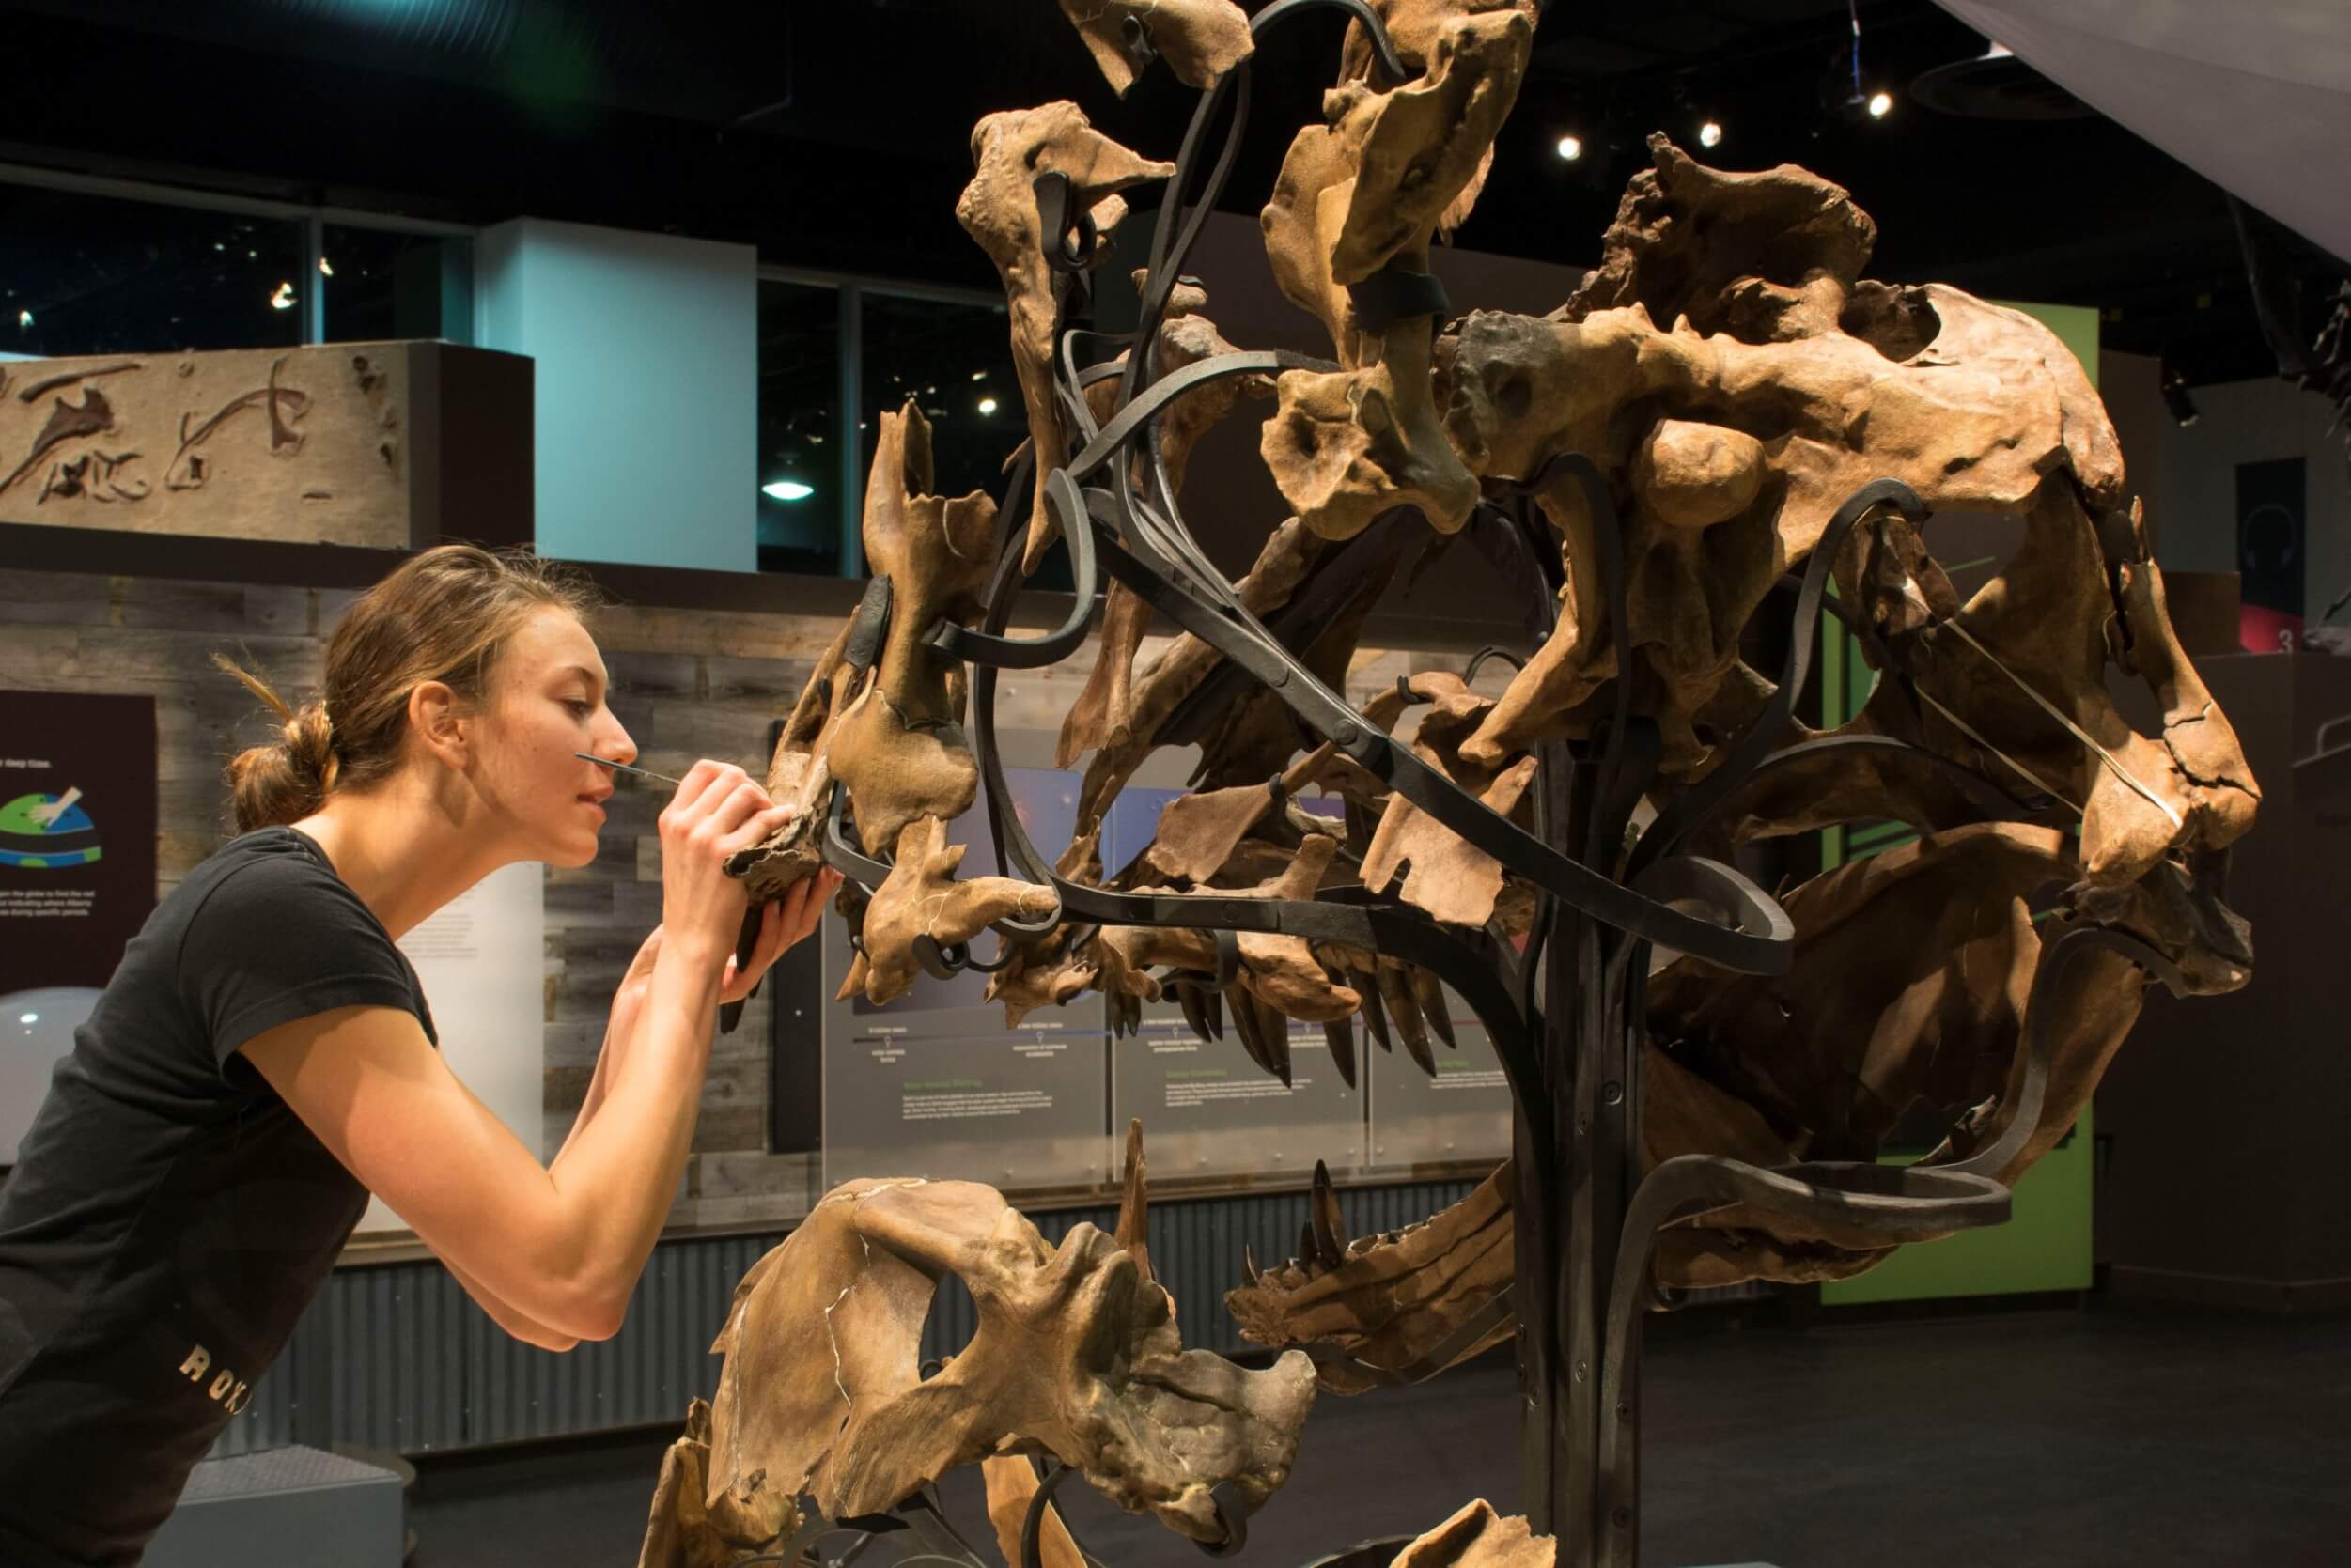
pixel 1695 806
pixel 952 640
pixel 1382 48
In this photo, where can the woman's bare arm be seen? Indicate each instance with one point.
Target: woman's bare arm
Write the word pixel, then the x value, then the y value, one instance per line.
pixel 562 1252
pixel 527 1330
pixel 560 1248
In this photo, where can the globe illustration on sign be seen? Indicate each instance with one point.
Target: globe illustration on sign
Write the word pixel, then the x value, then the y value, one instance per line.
pixel 39 831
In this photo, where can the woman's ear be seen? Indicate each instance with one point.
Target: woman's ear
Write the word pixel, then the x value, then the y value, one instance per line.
pixel 440 721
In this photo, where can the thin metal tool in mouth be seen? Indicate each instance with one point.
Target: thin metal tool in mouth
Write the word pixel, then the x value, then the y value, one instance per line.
pixel 626 767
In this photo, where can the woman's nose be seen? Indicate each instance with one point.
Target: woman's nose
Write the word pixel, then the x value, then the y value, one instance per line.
pixel 619 746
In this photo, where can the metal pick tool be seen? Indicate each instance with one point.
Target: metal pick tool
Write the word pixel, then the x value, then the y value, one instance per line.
pixel 628 768
pixel 746 943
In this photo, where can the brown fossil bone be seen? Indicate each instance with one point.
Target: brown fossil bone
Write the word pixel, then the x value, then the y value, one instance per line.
pixel 1448 878
pixel 1044 972
pixel 1199 832
pixel 891 734
pixel 1806 381
pixel 1010 150
pixel 1103 712
pixel 921 898
pixel 1477 1537
pixel 800 775
pixel 1414 27
pixel 1075 1356
pixel 898 746
pixel 1385 1300
pixel 2014 684
pixel 1280 971
pixel 1361 193
pixel 1011 1483
pixel 2015 681
pixel 1200 39
pixel 1282 564
pixel 681 1529
pixel 1933 950
pixel 1135 1202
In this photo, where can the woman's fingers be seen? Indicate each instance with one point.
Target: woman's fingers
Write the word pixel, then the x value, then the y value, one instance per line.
pixel 697 782
pixel 808 913
pixel 783 923
pixel 736 981
pixel 772 935
pixel 740 804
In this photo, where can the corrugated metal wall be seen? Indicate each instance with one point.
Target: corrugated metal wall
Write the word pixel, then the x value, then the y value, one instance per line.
pixel 397 1357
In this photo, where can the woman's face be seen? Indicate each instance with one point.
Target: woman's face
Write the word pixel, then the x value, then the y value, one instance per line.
pixel 548 703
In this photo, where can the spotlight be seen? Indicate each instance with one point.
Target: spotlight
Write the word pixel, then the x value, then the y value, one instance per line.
pixel 24 319
pixel 1570 148
pixel 1880 104
pixel 788 490
pixel 283 298
pixel 325 267
pixel 1711 134
pixel 2175 398
pixel 987 406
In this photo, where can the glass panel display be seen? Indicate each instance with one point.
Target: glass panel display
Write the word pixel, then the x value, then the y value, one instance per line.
pixel 934 1084
pixel 1207 1111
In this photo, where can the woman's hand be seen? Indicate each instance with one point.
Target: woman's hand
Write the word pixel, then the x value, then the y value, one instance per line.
pixel 716 812
pixel 783 923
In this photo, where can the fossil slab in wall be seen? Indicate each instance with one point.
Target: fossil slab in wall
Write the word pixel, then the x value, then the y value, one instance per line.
pixel 335 443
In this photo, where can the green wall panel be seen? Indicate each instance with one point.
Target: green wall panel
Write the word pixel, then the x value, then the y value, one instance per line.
pixel 2045 1247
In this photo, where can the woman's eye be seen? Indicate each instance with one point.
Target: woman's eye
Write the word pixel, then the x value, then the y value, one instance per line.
pixel 580 710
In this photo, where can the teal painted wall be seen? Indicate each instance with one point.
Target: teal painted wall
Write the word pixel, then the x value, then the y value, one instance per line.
pixel 648 387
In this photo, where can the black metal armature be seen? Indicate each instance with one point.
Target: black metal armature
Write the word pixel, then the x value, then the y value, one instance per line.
pixel 1566 1016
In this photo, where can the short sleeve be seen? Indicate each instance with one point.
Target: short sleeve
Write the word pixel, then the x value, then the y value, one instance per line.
pixel 280 939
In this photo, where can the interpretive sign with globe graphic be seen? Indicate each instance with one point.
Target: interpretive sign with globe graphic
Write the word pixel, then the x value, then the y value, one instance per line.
pixel 39 832
pixel 78 782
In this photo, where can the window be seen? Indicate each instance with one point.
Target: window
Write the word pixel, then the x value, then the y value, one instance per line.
pixel 805 500
pixel 103 267
pixel 100 274
pixel 384 284
pixel 837 354
pixel 954 361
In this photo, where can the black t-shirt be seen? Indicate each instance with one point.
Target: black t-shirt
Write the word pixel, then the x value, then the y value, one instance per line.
pixel 169 1217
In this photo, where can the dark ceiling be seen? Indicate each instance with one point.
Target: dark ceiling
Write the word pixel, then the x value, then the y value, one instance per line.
pixel 835 135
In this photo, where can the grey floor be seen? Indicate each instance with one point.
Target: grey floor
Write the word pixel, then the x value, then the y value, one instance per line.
pixel 2055 1439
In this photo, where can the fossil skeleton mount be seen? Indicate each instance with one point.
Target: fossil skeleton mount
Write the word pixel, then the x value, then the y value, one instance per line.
pixel 1725 419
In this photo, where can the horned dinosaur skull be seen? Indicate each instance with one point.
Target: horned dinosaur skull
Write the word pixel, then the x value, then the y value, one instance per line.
pixel 1076 1356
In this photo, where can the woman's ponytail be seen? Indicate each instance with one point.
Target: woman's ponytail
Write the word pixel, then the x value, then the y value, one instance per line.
pixel 286 779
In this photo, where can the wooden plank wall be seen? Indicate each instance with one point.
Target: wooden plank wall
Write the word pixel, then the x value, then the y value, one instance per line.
pixel 687 683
